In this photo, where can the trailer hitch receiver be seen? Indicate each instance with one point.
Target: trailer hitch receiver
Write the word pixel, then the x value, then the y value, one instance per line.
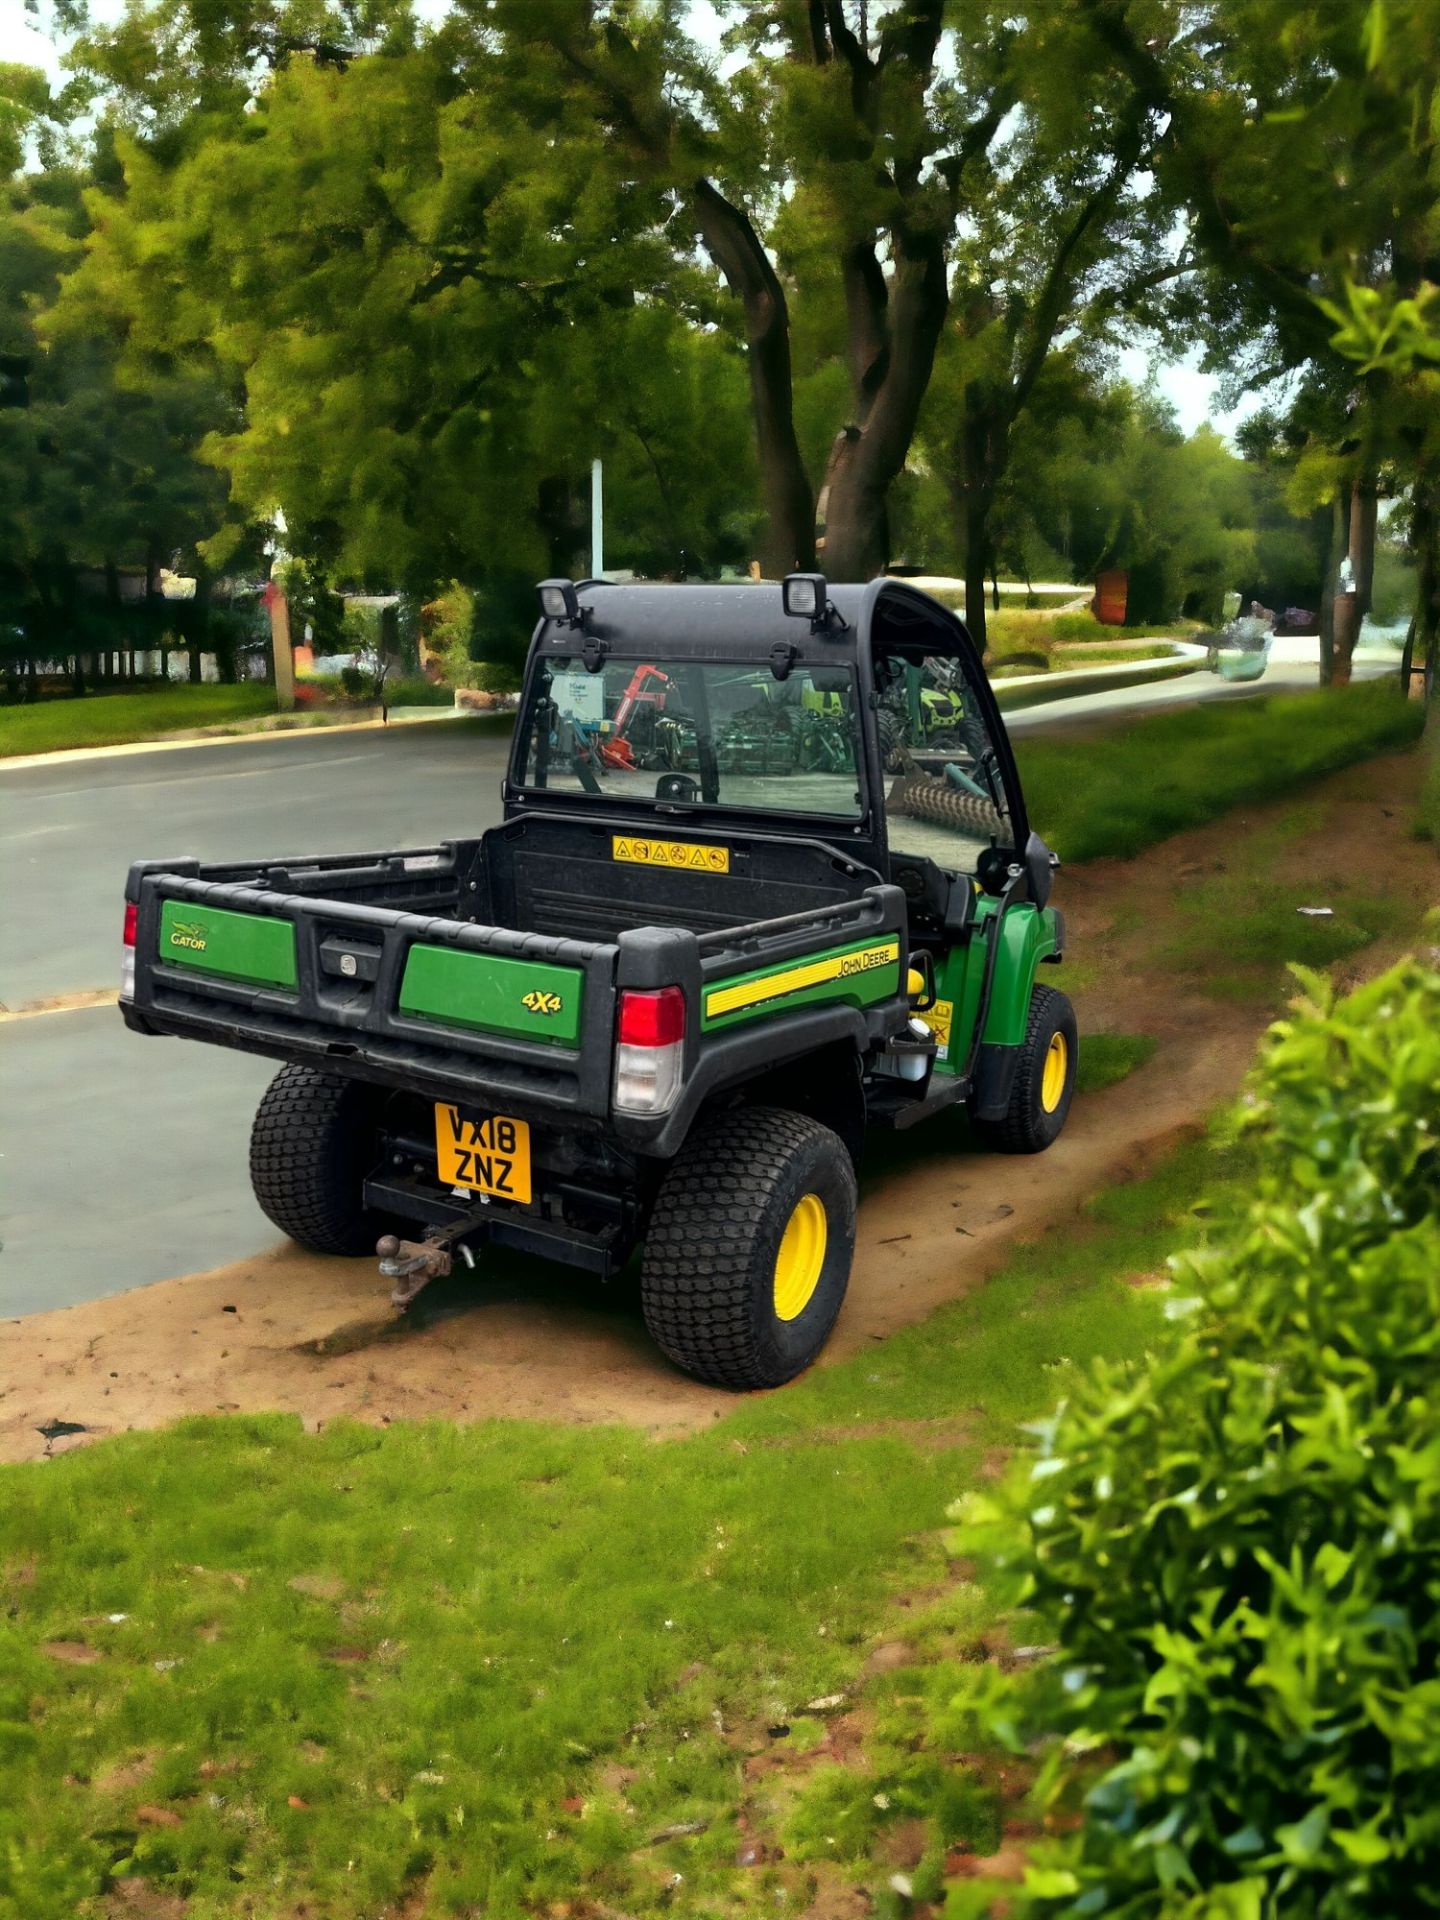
pixel 413 1264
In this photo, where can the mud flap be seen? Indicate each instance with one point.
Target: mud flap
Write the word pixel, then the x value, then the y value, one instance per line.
pixel 994 1079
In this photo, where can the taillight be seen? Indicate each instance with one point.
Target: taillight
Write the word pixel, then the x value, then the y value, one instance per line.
pixel 127 952
pixel 649 1049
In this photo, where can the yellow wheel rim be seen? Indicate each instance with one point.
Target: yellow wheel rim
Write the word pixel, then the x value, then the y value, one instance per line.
pixel 800 1257
pixel 1057 1066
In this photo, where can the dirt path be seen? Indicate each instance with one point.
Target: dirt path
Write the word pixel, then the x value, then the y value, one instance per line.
pixel 314 1336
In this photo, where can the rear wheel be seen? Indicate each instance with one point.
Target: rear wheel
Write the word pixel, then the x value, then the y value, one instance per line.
pixel 1044 1080
pixel 748 1253
pixel 313 1143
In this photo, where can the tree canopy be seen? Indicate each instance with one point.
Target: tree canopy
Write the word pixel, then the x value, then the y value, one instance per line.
pixel 832 279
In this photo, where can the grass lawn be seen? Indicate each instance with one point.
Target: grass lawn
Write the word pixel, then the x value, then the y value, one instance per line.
pixel 501 1667
pixel 112 719
pixel 1108 1058
pixel 1427 824
pixel 1265 927
pixel 1117 791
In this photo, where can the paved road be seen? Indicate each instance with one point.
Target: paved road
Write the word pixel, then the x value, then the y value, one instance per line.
pixel 69 832
pixel 122 1160
pixel 1292 669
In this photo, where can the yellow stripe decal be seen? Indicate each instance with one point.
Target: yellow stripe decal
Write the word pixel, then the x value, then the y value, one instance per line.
pixel 813 973
pixel 669 853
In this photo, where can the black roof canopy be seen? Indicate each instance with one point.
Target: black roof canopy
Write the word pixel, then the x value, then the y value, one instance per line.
pixel 708 622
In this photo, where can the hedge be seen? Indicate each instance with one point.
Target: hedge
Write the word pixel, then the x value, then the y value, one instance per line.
pixel 1235 1547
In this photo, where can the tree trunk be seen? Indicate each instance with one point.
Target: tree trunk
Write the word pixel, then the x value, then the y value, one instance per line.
pixel 1350 608
pixel 1425 539
pixel 1364 518
pixel 1407 659
pixel 977 521
pixel 734 245
pixel 868 455
pixel 224 650
pixel 1335 547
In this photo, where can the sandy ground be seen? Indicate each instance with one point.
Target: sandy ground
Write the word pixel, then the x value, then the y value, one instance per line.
pixel 287 1330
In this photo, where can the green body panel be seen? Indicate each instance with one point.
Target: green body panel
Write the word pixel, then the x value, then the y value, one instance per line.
pixel 241 946
pixel 857 975
pixel 1027 936
pixel 489 991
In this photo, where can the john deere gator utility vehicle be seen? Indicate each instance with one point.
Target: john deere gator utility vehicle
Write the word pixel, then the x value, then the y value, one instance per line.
pixel 788 894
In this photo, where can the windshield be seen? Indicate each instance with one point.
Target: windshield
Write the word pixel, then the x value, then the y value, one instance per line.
pixel 695 733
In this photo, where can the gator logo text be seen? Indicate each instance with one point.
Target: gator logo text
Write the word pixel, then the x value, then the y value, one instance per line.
pixel 538 1002
pixel 187 934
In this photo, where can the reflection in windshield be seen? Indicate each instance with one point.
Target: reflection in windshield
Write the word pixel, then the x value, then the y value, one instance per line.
pixel 698 733
pixel 944 795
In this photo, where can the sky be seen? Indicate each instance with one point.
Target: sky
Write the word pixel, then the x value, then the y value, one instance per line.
pixel 1191 392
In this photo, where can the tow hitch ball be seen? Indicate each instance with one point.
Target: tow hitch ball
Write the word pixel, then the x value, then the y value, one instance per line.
pixel 413 1264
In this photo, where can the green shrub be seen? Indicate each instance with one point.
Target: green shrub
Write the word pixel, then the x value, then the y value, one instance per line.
pixel 493 676
pixel 1235 1548
pixel 418 693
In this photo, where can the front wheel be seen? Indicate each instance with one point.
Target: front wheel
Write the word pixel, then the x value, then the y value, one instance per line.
pixel 1044 1079
pixel 748 1253
pixel 313 1143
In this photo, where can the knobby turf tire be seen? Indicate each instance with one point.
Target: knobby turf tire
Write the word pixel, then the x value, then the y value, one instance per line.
pixel 312 1144
pixel 1026 1127
pixel 707 1282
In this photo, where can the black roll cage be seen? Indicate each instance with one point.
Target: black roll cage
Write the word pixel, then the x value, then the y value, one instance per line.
pixel 747 621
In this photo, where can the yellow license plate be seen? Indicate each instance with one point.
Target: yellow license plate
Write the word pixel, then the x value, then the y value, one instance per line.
pixel 487 1156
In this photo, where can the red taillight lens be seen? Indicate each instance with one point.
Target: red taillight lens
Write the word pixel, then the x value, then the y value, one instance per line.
pixel 132 915
pixel 652 1019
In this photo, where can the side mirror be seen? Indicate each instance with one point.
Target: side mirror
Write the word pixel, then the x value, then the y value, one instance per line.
pixel 1040 865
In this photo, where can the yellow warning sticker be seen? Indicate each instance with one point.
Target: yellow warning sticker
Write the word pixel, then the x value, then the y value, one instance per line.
pixel 670 853
pixel 938 1018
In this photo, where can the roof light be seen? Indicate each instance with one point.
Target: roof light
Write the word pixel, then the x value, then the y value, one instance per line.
pixel 560 601
pixel 803 596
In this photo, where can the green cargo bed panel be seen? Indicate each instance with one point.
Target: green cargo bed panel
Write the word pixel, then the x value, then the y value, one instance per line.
pixel 239 946
pixel 528 998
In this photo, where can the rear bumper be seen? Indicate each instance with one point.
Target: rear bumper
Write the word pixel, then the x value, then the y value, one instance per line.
pixel 538 1092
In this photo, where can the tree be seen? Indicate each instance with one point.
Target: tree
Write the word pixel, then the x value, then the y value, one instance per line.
pixel 433 303
pixel 841 173
pixel 1300 148
pixel 94 474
